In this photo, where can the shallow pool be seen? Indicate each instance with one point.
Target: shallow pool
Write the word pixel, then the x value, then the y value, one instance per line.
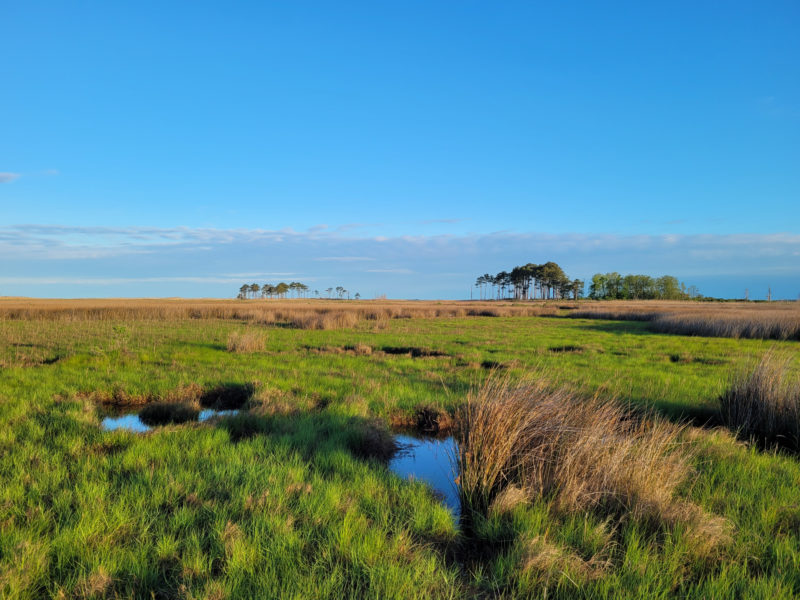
pixel 430 460
pixel 132 422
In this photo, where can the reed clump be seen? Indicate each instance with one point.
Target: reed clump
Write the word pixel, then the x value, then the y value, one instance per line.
pixel 247 341
pixel 575 453
pixel 763 403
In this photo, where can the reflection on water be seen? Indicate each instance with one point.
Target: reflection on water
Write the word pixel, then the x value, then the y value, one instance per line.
pixel 429 460
pixel 132 422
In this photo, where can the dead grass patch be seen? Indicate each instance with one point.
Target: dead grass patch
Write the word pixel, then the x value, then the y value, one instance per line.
pixel 247 341
pixel 97 584
pixel 546 562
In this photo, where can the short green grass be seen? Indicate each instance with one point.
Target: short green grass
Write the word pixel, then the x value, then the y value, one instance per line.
pixel 281 502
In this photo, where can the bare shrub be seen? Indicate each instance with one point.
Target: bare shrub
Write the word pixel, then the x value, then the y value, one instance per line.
pixel 247 341
pixel 576 453
pixel 764 403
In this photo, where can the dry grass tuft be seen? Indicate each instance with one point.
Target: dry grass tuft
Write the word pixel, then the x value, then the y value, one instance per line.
pixel 578 454
pixel 508 499
pixel 546 562
pixel 247 341
pixel 764 403
pixel 360 349
pixel 97 585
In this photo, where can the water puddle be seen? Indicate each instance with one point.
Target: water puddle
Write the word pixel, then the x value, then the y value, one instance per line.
pixel 429 460
pixel 132 422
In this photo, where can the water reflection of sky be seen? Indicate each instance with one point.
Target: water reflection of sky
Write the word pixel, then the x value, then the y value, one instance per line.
pixel 429 460
pixel 132 422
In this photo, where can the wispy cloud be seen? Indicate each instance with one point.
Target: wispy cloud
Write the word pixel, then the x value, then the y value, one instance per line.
pixel 182 256
pixel 9 177
pixel 396 271
pixel 344 258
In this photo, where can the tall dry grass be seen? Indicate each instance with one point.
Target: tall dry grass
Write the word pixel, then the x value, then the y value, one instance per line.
pixel 774 320
pixel 247 341
pixel 304 314
pixel 533 441
pixel 764 402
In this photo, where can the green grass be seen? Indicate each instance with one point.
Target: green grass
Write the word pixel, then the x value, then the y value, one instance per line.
pixel 283 501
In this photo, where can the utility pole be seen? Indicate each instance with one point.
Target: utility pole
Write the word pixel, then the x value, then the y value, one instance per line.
pixel 769 294
pixel 746 295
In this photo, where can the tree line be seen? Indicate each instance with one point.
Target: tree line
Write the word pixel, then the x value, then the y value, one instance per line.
pixel 548 282
pixel 613 286
pixel 281 290
pixel 530 282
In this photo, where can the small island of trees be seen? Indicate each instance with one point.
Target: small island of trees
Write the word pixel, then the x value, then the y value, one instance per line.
pixel 549 282
pixel 282 290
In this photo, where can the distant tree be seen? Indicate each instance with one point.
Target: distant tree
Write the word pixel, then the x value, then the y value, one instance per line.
pixel 479 283
pixel 329 291
pixel 357 296
pixel 502 280
pixel 243 292
pixel 254 287
pixel 577 289
pixel 340 291
pixel 281 289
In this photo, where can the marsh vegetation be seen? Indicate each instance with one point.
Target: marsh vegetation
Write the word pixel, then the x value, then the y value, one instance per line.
pixel 597 457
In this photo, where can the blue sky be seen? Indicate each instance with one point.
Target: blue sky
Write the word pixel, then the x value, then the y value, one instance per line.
pixel 399 148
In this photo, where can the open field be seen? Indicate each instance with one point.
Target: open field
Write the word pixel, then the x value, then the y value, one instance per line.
pixel 292 497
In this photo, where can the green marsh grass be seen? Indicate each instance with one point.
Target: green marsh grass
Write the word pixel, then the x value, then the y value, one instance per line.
pixel 293 495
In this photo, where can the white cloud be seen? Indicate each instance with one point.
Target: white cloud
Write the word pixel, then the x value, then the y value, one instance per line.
pixel 9 177
pixel 166 257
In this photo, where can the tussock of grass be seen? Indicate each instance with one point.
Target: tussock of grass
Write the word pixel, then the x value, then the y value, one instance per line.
pixel 360 349
pixel 764 403
pixel 227 396
pixel 246 341
pixel 373 440
pixel 578 454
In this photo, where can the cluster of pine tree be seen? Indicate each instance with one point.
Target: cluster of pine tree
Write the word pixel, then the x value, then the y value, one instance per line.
pixel 530 282
pixel 252 290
